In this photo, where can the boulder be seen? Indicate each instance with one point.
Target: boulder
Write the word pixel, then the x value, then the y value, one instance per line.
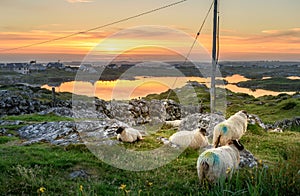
pixel 68 132
pixel 206 120
pixel 59 133
pixel 247 159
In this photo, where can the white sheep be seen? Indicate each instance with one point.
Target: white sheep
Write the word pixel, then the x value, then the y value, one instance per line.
pixel 128 134
pixel 217 163
pixel 276 130
pixel 195 139
pixel 231 129
pixel 173 123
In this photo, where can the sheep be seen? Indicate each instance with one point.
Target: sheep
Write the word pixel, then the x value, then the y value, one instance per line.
pixel 128 134
pixel 195 139
pixel 276 130
pixel 217 163
pixel 174 123
pixel 230 129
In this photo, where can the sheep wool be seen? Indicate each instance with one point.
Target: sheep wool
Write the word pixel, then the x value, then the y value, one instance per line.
pixel 231 129
pixel 194 139
pixel 216 163
pixel 128 134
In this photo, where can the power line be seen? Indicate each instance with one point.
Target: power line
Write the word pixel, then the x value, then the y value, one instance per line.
pixel 193 44
pixel 198 33
pixel 96 28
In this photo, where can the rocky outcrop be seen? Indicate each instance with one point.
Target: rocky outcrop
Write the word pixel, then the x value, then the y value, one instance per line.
pixel 71 113
pixel 278 126
pixel 25 100
pixel 59 133
pixel 207 121
pixel 254 119
pixel 138 112
pixel 10 122
pixel 17 104
pixel 69 132
pixel 288 123
pixel 59 111
pixel 4 131
pixel 173 110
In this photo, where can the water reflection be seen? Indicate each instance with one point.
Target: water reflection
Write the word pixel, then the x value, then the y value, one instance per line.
pixel 142 86
pixel 294 78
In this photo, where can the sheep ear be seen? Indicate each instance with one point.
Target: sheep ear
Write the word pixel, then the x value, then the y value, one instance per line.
pixel 238 145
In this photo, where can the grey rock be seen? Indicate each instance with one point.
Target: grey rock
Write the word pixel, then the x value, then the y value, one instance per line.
pixel 79 174
pixel 9 122
pixel 287 123
pixel 49 132
pixel 206 121
pixel 247 159
pixel 254 119
pixel 2 131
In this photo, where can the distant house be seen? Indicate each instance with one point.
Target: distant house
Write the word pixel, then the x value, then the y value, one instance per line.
pixel 56 65
pixel 112 66
pixel 87 68
pixel 37 67
pixel 22 68
pixel 2 65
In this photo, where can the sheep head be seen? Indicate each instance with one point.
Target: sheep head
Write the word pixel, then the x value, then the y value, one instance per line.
pixel 120 130
pixel 245 112
pixel 237 144
pixel 203 131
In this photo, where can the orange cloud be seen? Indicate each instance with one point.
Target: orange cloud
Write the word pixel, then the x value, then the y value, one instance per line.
pixel 273 43
pixel 266 45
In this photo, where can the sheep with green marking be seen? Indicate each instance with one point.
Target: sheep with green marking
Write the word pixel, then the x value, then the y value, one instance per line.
pixel 231 129
pixel 217 163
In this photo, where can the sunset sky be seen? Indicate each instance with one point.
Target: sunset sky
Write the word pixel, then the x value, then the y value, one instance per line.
pixel 249 29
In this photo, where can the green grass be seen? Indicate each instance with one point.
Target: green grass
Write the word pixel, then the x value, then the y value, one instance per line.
pixel 6 139
pixel 274 84
pixel 25 169
pixel 37 118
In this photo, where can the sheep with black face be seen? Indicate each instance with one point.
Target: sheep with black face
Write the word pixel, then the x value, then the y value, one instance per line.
pixel 128 134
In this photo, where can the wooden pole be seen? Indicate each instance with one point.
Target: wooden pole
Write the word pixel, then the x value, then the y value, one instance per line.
pixel 214 59
pixel 53 97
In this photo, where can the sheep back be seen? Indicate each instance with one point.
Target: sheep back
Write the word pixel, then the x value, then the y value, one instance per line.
pixel 218 162
pixel 231 129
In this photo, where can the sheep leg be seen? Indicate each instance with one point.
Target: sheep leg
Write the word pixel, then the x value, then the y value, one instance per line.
pixel 216 144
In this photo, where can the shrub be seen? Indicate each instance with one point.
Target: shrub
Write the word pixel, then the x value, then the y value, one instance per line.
pixel 289 105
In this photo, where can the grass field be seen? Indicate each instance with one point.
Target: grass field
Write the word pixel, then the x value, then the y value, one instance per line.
pixel 29 169
pixel 44 169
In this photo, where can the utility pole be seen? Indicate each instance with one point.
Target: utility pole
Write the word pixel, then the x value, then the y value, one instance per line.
pixel 214 59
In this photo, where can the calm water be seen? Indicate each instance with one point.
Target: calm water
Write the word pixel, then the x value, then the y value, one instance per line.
pixel 142 86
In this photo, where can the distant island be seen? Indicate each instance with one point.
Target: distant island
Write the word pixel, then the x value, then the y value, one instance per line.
pixel 268 75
